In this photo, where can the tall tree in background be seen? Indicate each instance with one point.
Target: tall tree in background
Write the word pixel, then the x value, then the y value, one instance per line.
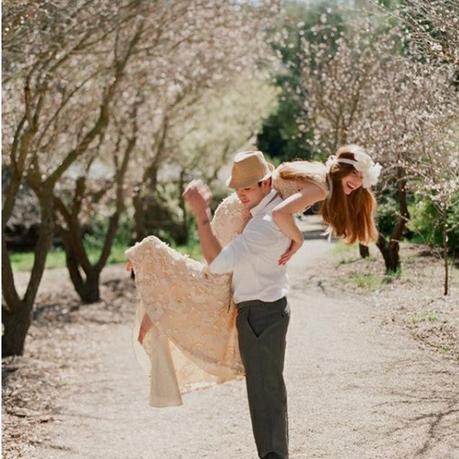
pixel 229 41
pixel 88 200
pixel 208 133
pixel 370 91
pixel 64 72
pixel 286 134
pixel 44 48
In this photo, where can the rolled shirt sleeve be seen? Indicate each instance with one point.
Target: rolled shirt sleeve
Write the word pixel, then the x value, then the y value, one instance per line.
pixel 225 261
pixel 253 243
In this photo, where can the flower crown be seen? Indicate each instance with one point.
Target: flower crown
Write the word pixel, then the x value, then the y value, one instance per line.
pixel 363 163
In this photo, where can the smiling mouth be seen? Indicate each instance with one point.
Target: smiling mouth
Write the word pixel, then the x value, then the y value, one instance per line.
pixel 351 187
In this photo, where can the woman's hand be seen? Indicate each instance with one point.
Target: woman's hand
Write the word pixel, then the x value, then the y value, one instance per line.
pixel 294 247
pixel 286 223
pixel 144 327
pixel 129 266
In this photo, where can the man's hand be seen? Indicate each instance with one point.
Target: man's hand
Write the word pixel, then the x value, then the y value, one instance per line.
pixel 294 246
pixel 198 196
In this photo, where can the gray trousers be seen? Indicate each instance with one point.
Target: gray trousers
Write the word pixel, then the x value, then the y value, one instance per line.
pixel 262 328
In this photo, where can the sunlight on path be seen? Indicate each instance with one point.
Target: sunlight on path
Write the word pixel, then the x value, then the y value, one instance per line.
pixel 357 389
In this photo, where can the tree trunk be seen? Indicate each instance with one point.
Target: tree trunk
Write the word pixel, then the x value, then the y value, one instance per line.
pixel 90 291
pixel 146 188
pixel 445 258
pixel 87 287
pixel 139 215
pixel 16 316
pixel 364 251
pixel 17 313
pixel 86 283
pixel 390 252
pixel 16 321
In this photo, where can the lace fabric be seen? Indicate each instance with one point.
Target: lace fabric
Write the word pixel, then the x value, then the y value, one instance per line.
pixel 193 341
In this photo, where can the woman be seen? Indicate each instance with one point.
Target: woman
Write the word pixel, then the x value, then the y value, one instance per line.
pixel 186 316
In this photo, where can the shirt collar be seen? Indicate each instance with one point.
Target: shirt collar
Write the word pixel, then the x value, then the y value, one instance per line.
pixel 263 203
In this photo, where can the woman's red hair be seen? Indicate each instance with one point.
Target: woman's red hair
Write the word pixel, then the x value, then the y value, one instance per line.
pixel 351 217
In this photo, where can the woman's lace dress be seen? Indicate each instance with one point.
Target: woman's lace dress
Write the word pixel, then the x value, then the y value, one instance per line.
pixel 193 341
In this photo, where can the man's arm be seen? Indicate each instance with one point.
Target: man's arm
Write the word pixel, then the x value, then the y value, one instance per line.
pixel 209 243
pixel 198 196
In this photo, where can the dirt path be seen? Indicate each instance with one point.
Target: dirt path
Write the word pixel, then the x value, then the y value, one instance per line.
pixel 357 389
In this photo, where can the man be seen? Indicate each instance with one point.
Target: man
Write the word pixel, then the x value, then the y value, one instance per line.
pixel 259 286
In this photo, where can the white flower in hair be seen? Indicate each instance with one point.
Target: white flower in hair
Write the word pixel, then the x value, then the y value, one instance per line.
pixel 363 163
pixel 330 161
pixel 367 167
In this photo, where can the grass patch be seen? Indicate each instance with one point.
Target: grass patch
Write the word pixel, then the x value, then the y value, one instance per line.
pixel 339 247
pixel 347 261
pixel 23 261
pixel 347 254
pixel 425 316
pixel 117 255
pixel 350 260
pixel 410 259
pixel 391 276
pixel 366 281
pixel 445 349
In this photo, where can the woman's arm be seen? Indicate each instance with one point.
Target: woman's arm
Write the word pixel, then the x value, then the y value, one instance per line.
pixel 283 212
pixel 283 215
pixel 286 223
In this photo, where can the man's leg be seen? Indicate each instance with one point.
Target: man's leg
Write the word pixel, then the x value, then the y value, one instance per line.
pixel 262 328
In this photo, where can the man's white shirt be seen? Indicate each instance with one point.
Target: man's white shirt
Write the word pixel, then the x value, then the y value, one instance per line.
pixel 253 256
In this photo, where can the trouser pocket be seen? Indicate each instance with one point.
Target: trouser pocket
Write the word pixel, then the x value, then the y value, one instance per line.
pixel 263 319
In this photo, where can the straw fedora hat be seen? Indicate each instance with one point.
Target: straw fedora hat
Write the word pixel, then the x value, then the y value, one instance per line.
pixel 249 168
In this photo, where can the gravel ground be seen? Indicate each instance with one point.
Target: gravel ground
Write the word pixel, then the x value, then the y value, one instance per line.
pixel 412 300
pixel 358 386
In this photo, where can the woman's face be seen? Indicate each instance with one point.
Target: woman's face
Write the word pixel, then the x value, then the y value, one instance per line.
pixel 352 182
